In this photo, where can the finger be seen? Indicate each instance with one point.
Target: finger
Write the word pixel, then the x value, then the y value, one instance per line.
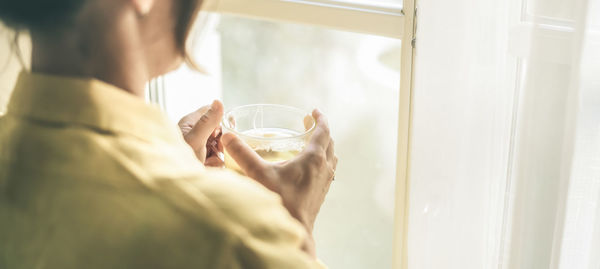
pixel 217 132
pixel 220 147
pixel 248 160
pixel 309 122
pixel 320 137
pixel 212 146
pixel 214 161
pixel 192 118
pixel 231 121
pixel 205 125
pixel 217 138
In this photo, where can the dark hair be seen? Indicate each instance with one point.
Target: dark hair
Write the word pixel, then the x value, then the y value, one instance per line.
pixel 54 14
pixel 188 13
pixel 37 14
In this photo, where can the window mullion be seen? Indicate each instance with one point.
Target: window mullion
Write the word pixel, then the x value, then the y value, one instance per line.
pixel 404 131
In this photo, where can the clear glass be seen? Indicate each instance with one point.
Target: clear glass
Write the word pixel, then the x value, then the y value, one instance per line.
pixel 277 133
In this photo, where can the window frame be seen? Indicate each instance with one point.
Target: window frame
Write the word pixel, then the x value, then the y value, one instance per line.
pixel 374 18
pixel 409 39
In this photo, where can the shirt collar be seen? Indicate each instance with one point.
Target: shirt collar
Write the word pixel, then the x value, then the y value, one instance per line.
pixel 88 102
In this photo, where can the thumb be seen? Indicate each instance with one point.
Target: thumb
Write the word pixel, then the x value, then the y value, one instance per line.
pixel 205 126
pixel 250 162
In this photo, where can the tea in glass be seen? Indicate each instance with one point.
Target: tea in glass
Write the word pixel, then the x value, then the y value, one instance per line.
pixel 277 133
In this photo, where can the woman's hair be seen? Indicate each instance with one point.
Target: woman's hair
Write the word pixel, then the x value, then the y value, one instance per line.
pixel 55 14
pixel 187 14
pixel 38 14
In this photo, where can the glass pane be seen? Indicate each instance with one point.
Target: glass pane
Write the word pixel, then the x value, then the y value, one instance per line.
pixel 354 79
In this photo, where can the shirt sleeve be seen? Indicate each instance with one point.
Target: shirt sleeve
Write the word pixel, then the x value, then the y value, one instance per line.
pixel 251 227
pixel 266 235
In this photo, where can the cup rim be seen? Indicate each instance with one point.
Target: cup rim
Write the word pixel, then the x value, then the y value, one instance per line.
pixel 309 130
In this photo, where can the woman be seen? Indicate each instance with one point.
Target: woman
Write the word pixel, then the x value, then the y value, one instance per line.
pixel 92 177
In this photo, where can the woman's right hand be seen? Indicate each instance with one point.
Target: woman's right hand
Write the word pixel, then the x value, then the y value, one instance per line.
pixel 301 182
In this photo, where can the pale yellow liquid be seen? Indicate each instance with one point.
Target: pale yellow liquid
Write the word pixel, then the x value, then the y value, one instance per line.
pixel 276 151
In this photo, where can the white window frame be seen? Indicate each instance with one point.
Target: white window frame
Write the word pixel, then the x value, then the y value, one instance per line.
pixel 369 18
pixel 381 19
pixel 409 39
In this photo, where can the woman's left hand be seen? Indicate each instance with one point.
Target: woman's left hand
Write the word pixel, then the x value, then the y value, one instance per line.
pixel 202 131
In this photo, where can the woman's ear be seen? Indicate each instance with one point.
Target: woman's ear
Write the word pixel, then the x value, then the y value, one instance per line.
pixel 143 7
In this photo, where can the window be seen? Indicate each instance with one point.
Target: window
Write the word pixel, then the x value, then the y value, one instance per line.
pixel 355 80
pixel 307 67
pixel 343 57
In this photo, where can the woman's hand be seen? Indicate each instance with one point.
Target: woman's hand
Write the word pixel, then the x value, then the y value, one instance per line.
pixel 301 182
pixel 202 131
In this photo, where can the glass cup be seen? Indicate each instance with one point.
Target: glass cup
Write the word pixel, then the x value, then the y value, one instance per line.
pixel 276 132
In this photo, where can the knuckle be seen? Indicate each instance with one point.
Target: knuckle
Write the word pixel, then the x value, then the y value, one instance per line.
pixel 229 143
pixel 205 118
pixel 317 158
pixel 312 153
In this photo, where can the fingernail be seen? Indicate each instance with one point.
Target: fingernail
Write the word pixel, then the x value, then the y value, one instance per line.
pixel 213 106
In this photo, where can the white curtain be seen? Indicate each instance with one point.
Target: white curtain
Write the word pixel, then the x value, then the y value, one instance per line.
pixel 505 137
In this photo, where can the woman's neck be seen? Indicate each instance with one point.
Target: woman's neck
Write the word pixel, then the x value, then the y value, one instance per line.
pixel 111 53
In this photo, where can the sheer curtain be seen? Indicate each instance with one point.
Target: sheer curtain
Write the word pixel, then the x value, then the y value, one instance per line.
pixel 505 135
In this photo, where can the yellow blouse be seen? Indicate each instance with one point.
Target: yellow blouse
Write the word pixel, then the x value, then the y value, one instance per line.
pixel 93 177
